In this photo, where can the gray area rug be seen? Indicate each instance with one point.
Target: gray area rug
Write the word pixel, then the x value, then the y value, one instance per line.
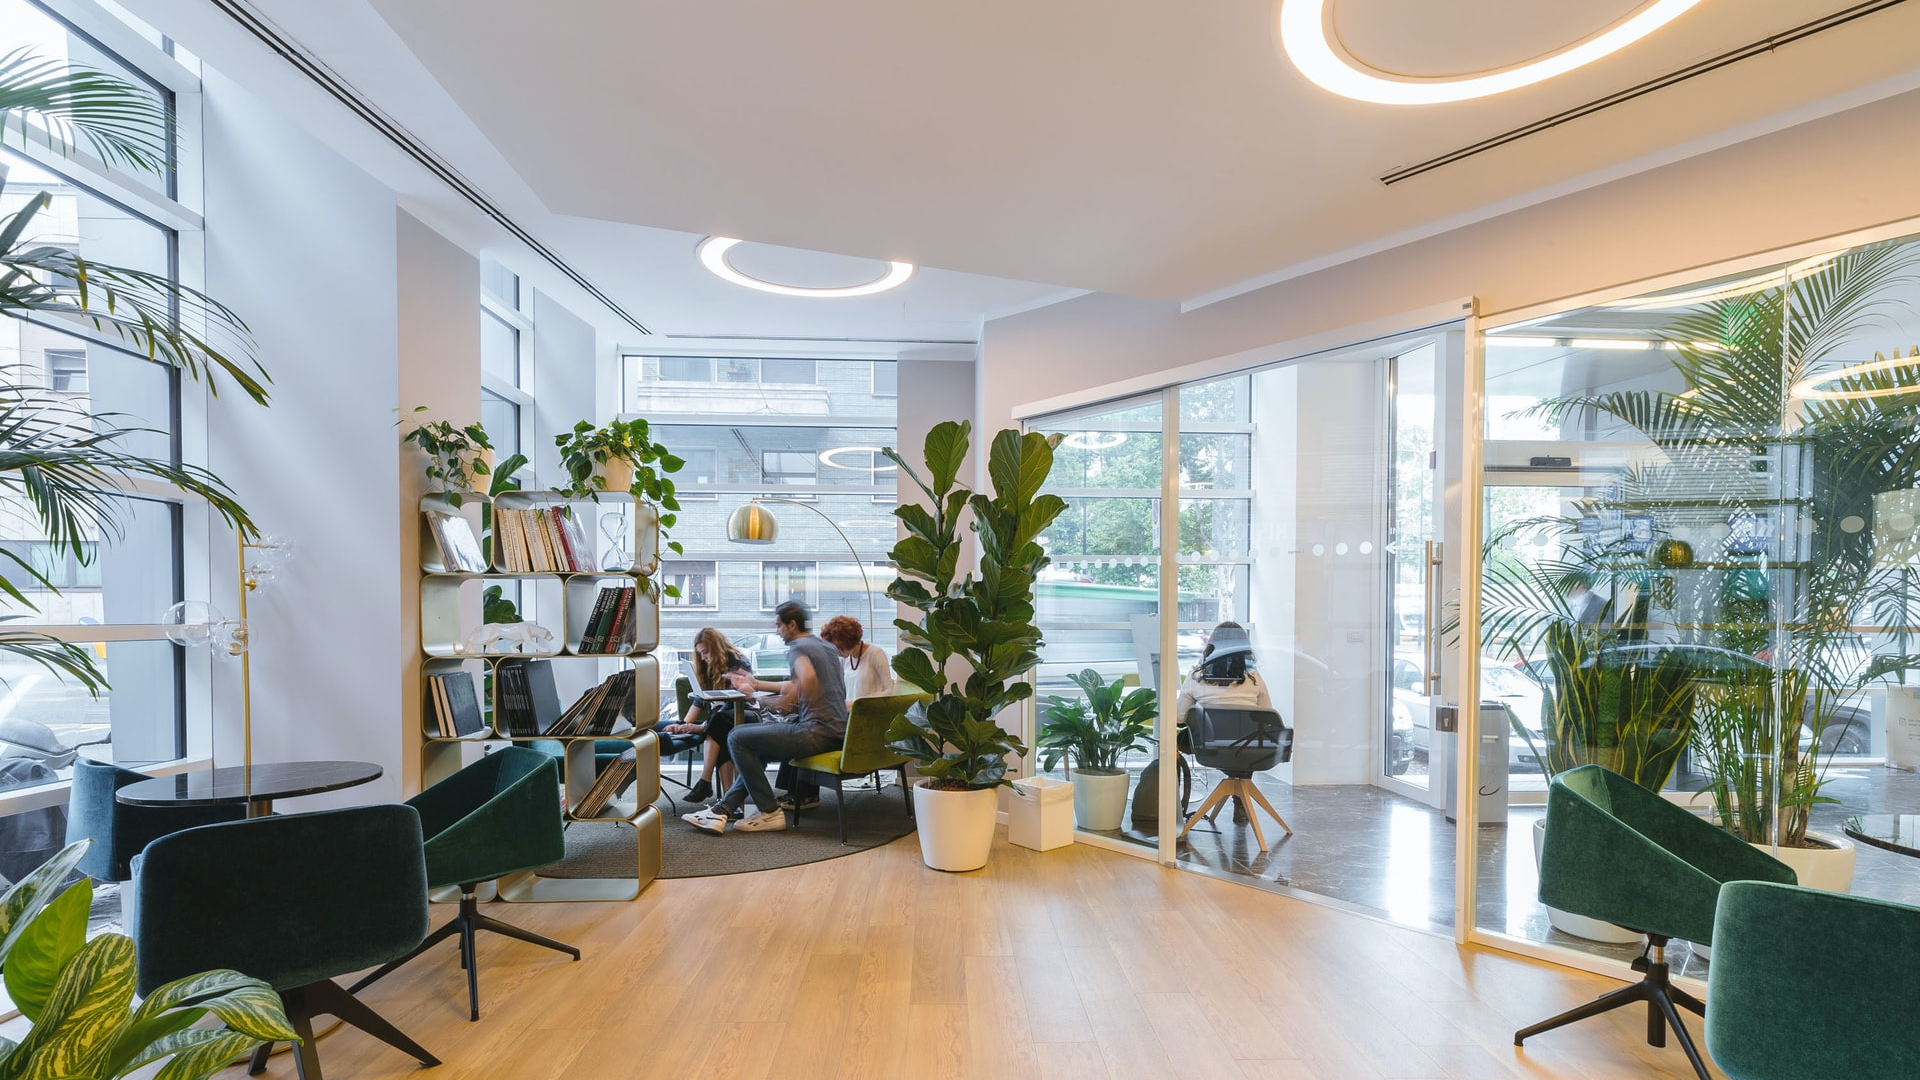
pixel 597 849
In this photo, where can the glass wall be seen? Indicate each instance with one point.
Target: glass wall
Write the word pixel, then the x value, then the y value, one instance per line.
pixel 1699 548
pixel 803 433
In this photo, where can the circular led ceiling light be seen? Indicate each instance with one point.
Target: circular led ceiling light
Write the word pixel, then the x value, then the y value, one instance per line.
pixel 830 457
pixel 1903 370
pixel 1306 37
pixel 713 255
pixel 1094 440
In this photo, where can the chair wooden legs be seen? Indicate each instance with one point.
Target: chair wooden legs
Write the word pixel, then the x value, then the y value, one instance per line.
pixel 1239 790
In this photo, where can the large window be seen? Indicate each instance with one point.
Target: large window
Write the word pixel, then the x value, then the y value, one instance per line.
pixel 803 430
pixel 111 597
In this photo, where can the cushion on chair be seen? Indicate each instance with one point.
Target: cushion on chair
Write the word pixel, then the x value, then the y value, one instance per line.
pixel 290 899
pixel 497 816
pixel 1806 983
pixel 120 830
pixel 1620 853
pixel 865 748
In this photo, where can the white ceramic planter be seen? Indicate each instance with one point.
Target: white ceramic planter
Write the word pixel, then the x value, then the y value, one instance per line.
pixel 1099 798
pixel 1829 868
pixel 956 827
pixel 1579 925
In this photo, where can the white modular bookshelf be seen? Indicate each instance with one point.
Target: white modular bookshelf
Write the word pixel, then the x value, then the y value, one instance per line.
pixel 623 542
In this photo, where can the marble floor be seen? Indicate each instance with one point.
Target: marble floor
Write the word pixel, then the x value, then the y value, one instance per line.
pixel 1373 849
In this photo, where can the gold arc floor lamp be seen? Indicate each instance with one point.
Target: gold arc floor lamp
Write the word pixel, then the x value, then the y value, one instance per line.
pixel 753 523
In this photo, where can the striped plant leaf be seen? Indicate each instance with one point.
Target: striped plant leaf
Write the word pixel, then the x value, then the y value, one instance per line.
pixel 246 1005
pixel 206 1055
pixel 44 946
pixel 83 1017
pixel 34 892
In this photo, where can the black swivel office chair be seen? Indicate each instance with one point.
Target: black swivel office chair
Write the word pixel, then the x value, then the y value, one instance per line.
pixel 1238 742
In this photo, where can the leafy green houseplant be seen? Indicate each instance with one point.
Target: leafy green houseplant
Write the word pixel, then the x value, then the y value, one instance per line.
pixel 65 462
pixel 79 995
pixel 980 622
pixel 1092 733
pixel 457 457
pixel 621 456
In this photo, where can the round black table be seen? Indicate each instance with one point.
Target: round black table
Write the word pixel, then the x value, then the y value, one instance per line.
pixel 1895 832
pixel 256 785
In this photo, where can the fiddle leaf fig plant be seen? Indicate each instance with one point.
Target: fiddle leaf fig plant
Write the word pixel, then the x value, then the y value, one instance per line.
pixel 1095 730
pixel 78 993
pixel 456 456
pixel 983 621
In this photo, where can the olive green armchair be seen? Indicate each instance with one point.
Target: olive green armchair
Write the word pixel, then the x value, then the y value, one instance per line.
pixel 1811 983
pixel 865 750
pixel 1617 852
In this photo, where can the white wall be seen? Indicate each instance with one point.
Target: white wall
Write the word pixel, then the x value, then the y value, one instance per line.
pixel 565 369
pixel 1845 172
pixel 302 245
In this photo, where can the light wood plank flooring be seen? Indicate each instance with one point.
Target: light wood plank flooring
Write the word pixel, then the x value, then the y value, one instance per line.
pixel 1070 965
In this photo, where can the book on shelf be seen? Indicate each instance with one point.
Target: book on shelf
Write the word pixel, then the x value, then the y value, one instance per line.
pixel 459 548
pixel 529 702
pixel 442 712
pixel 462 716
pixel 541 540
pixel 606 628
pixel 597 711
pixel 578 546
pixel 606 785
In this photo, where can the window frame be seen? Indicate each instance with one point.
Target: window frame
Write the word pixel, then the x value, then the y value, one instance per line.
pixel 810 567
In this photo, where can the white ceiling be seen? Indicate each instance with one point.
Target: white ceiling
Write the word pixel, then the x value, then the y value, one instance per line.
pixel 1159 148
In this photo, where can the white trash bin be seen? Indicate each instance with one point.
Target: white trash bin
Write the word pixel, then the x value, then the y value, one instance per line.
pixel 1041 816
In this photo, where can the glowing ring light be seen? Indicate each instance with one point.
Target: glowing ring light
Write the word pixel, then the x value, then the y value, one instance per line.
pixel 1304 35
pixel 827 457
pixel 713 255
pixel 1809 389
pixel 1094 440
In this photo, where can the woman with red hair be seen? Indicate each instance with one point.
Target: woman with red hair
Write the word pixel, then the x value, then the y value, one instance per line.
pixel 869 673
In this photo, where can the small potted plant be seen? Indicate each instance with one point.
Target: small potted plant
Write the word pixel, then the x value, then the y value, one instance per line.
pixel 456 456
pixel 984 620
pixel 621 457
pixel 1092 733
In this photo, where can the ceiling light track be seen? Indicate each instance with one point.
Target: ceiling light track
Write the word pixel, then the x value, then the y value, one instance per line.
pixel 1726 59
pixel 342 91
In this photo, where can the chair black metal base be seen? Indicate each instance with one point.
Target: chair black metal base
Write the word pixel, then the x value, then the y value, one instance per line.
pixel 1656 990
pixel 467 924
pixel 326 998
pixel 840 796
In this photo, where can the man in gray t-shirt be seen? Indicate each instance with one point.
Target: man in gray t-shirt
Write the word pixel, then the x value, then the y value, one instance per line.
pixel 816 691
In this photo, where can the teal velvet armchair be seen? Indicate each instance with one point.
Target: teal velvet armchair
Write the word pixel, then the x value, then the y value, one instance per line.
pixel 294 900
pixel 1620 853
pixel 1810 983
pixel 118 830
pixel 498 816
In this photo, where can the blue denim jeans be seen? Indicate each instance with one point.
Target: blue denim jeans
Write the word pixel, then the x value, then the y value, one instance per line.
pixel 752 746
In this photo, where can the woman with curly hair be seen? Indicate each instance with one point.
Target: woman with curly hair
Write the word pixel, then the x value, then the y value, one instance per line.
pixel 869 673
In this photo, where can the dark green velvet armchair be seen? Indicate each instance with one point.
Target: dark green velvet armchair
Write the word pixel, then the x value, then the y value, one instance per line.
pixel 293 900
pixel 1808 983
pixel 498 816
pixel 1620 853
pixel 864 752
pixel 118 830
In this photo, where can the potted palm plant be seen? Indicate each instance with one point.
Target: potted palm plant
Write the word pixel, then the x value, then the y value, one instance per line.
pixel 1091 733
pixel 981 623
pixel 64 461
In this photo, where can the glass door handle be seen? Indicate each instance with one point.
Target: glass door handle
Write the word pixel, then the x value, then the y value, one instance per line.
pixel 1430 599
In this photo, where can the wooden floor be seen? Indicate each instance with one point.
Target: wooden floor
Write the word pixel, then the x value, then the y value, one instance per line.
pixel 1075 964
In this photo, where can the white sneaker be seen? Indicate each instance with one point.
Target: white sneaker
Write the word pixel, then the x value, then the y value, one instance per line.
pixel 759 822
pixel 708 819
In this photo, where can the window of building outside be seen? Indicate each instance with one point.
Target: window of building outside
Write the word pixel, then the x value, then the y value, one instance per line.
pixel 784 428
pixel 125 579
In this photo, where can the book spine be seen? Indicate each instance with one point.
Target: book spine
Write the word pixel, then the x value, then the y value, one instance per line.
pixel 437 690
pixel 549 548
pixel 569 558
pixel 513 546
pixel 616 612
pixel 589 634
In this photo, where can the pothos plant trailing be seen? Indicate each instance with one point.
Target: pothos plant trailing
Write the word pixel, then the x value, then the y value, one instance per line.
pixel 984 621
pixel 456 456
pixel 622 456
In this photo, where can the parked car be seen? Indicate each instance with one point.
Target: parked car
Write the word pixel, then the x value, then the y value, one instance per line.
pixel 1500 682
